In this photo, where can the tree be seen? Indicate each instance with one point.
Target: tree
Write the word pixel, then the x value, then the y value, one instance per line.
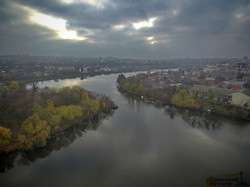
pixel 32 125
pixel 70 95
pixel 23 142
pixel 36 109
pixel 104 103
pixel 85 98
pixel 34 86
pixel 5 136
pixel 120 78
pixel 70 112
pixel 14 86
pixel 55 120
pixel 211 99
pixel 28 127
pixel 36 130
pixel 30 117
pixel 185 99
pixel 170 91
pixel 94 105
pixel 51 107
pixel 42 132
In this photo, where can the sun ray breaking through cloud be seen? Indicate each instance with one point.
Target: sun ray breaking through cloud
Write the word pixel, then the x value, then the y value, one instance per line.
pixel 142 24
pixel 105 27
pixel 57 24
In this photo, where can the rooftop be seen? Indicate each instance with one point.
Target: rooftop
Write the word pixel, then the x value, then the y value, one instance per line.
pixel 220 91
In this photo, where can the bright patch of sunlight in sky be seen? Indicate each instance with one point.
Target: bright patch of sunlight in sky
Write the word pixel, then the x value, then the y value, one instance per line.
pixel 56 24
pixel 119 27
pixel 142 24
pixel 150 38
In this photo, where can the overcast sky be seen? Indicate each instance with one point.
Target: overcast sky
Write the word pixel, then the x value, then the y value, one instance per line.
pixel 126 28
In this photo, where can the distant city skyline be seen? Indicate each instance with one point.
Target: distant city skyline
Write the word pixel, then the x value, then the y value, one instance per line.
pixel 141 29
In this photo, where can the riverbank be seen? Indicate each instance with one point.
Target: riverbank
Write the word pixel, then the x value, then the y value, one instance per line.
pixel 165 103
pixel 66 75
pixel 29 118
pixel 180 97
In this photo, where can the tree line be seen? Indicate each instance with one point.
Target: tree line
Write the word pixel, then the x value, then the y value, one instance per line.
pixel 29 116
pixel 180 96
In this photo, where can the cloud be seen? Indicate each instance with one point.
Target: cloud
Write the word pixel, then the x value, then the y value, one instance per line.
pixel 56 24
pixel 177 28
pixel 142 24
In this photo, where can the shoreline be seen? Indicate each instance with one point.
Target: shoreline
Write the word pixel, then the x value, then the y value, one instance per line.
pixel 69 76
pixel 155 101
pixel 65 125
pixel 45 120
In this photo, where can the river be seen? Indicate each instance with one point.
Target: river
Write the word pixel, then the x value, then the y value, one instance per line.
pixel 140 144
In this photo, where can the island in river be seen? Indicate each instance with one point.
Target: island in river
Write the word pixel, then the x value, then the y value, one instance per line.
pixel 30 116
pixel 180 96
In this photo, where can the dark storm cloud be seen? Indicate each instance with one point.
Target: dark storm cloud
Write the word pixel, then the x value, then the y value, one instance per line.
pixel 8 13
pixel 198 28
pixel 83 14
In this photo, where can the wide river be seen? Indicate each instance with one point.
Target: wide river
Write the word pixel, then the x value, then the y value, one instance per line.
pixel 140 144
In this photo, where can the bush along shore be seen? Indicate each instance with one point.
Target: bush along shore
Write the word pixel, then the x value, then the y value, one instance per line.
pixel 29 117
pixel 178 96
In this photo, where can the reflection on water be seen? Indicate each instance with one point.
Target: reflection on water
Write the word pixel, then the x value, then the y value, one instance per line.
pixel 196 119
pixel 142 144
pixel 55 143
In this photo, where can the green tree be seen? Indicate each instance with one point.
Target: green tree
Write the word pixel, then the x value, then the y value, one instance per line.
pixel 51 107
pixel 28 127
pixel 185 99
pixel 85 98
pixel 36 109
pixel 55 120
pixel 42 132
pixel 94 105
pixel 36 130
pixel 70 112
pixel 32 125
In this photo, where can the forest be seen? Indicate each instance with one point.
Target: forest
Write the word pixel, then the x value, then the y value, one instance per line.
pixel 28 117
pixel 181 97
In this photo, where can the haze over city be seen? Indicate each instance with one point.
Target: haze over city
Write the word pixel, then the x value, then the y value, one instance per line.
pixel 152 29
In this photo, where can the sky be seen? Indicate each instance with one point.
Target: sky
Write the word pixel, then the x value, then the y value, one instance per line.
pixel 144 29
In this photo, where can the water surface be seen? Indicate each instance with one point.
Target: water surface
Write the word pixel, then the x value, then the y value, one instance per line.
pixel 140 144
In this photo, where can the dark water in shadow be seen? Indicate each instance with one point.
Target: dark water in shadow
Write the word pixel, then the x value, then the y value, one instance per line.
pixel 141 144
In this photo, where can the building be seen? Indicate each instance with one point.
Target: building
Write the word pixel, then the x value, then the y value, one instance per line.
pixel 83 70
pixel 223 93
pixel 222 74
pixel 106 69
pixel 241 99
pixel 67 68
pixel 49 67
